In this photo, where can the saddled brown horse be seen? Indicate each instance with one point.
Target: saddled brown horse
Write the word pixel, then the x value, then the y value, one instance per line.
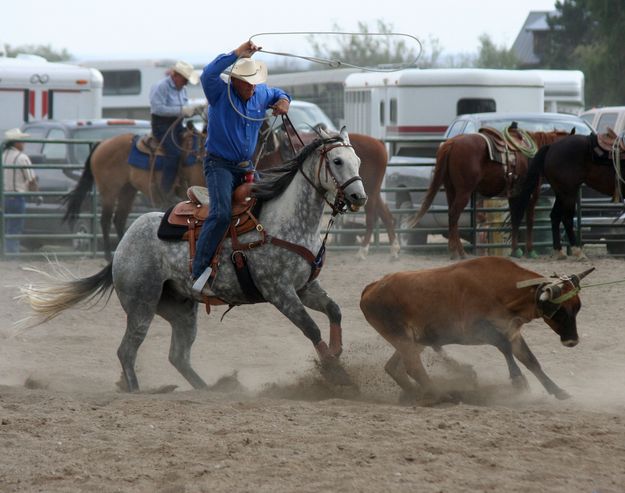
pixel 118 182
pixel 566 165
pixel 463 166
pixel 373 160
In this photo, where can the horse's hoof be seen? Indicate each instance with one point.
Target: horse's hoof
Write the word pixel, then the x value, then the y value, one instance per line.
pixel 532 254
pixel 363 251
pixel 407 398
pixel 561 394
pixel 520 383
pixel 518 253
pixel 334 373
pixel 395 247
pixel 558 255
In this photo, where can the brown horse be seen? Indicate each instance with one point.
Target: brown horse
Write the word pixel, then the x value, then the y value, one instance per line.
pixel 373 160
pixel 566 165
pixel 463 166
pixel 118 182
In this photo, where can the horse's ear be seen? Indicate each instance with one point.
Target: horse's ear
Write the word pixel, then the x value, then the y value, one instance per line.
pixel 572 131
pixel 343 134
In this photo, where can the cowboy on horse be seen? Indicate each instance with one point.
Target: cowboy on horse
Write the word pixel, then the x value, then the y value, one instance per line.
pixel 235 119
pixel 169 104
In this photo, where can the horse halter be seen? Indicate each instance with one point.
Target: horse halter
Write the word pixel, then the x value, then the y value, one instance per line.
pixel 549 293
pixel 340 205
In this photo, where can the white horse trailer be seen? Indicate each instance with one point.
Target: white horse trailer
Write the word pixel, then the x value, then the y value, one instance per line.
pixel 32 88
pixel 325 88
pixel 564 90
pixel 419 104
pixel 127 85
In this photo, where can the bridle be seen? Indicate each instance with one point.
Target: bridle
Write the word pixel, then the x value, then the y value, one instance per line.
pixel 339 206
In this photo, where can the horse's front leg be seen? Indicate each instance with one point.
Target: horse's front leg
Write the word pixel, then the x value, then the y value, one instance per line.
pixel 290 305
pixel 316 298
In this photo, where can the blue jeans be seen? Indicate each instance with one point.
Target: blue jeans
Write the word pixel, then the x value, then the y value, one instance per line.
pixel 170 160
pixel 222 177
pixel 13 226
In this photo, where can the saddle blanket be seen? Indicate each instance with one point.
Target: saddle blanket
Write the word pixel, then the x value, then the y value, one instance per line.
pixel 142 160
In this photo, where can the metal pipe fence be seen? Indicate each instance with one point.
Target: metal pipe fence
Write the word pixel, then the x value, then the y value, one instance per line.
pixel 484 225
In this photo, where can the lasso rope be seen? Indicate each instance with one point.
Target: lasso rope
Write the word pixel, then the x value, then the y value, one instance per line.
pixel 526 146
pixel 602 284
pixel 333 63
pixel 325 61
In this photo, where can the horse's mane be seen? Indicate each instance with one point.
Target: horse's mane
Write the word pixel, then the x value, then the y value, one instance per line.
pixel 545 138
pixel 275 180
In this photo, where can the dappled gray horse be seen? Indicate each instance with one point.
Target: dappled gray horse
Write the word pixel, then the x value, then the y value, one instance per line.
pixel 151 276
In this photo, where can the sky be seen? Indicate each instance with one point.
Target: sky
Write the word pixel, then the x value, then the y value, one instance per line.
pixel 198 31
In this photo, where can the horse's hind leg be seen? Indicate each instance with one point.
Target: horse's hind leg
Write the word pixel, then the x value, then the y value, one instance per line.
pixel 457 203
pixel 182 315
pixel 124 206
pixel 315 297
pixel 105 224
pixel 138 320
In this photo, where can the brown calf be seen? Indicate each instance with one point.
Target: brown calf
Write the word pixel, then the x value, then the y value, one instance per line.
pixel 480 301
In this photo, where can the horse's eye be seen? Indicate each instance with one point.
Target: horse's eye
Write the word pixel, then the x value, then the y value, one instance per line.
pixel 338 161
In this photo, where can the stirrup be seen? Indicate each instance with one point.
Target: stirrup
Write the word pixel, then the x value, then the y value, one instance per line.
pixel 201 281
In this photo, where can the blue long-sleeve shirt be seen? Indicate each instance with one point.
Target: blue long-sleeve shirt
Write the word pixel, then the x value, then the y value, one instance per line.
pixel 230 136
pixel 166 100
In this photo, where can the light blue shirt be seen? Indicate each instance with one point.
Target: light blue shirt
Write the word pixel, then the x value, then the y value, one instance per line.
pixel 231 136
pixel 166 100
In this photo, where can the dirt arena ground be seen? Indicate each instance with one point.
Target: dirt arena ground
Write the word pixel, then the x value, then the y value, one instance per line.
pixel 270 424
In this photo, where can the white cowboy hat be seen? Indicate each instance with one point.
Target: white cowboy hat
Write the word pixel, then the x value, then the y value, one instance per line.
pixel 15 134
pixel 249 70
pixel 186 70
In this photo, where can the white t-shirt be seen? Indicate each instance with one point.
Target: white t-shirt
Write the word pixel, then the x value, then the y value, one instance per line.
pixel 16 180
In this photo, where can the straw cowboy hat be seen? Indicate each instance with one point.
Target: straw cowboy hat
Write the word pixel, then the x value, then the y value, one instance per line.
pixel 249 70
pixel 186 70
pixel 15 134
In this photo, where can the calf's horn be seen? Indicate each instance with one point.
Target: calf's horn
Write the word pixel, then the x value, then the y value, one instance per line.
pixel 585 273
pixel 576 278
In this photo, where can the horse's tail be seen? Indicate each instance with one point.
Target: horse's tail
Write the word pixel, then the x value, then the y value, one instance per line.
pixel 74 199
pixel 535 170
pixel 64 291
pixel 440 170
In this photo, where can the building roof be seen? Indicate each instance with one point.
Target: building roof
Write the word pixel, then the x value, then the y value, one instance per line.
pixel 523 46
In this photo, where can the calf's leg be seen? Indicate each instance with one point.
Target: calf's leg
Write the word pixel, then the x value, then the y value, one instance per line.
pixel 522 352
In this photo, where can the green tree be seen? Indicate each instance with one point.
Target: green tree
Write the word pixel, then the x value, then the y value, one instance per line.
pixel 491 56
pixel 46 51
pixel 588 35
pixel 365 49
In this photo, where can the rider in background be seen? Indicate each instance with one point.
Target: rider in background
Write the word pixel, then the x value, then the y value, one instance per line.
pixel 231 140
pixel 168 102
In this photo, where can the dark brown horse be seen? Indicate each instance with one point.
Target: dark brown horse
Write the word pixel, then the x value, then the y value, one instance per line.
pixel 566 165
pixel 373 160
pixel 463 166
pixel 118 182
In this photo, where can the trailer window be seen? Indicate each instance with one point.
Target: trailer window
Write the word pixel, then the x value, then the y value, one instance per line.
pixel 55 152
pixel 393 111
pixel 475 105
pixel 118 82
